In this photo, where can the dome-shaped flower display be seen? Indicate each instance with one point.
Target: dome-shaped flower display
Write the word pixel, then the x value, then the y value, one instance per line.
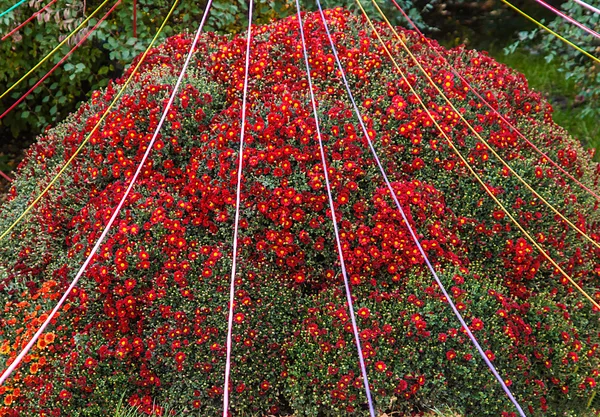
pixel 148 320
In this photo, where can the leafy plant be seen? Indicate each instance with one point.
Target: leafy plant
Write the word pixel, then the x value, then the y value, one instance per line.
pixel 574 66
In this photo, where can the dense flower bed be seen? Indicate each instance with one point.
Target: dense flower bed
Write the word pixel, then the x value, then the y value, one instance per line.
pixel 148 320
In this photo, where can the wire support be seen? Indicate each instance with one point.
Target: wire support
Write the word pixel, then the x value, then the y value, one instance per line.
pixel 568 18
pixel 6 177
pixel 547 29
pixel 49 54
pixel 481 182
pixel 407 223
pixel 28 20
pixel 487 145
pixel 237 217
pixel 587 6
pixel 361 360
pixel 53 313
pixel 11 8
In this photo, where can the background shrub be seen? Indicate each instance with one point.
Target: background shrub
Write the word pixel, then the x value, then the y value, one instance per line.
pixel 149 316
pixel 575 66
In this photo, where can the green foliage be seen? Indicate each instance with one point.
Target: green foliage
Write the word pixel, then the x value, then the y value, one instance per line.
pixel 417 10
pixel 575 67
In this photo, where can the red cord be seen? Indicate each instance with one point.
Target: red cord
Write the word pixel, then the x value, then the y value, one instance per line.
pixel 28 20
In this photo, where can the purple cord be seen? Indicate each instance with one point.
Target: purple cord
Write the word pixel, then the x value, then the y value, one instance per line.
pixel 480 97
pixel 412 233
pixel 237 220
pixel 363 368
pixel 570 19
pixel 36 336
pixel 584 4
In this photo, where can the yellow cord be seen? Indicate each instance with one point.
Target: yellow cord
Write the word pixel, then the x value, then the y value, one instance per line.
pixel 456 151
pixel 55 49
pixel 472 129
pixel 552 32
pixel 119 94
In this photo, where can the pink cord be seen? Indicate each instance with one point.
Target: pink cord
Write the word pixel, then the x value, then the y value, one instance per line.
pixel 28 20
pixel 81 41
pixel 24 352
pixel 570 19
pixel 463 79
pixel 584 4
pixel 237 218
pixel 410 229
pixel 361 360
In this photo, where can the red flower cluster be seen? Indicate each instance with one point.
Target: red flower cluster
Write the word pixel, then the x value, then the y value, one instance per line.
pixel 149 317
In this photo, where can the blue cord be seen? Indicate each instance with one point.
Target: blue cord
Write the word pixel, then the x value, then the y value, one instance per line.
pixel 12 8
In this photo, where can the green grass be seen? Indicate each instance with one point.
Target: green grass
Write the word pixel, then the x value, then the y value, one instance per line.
pixel 562 93
pixel 128 411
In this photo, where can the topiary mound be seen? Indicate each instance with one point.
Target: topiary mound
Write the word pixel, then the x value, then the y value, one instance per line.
pixel 148 320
